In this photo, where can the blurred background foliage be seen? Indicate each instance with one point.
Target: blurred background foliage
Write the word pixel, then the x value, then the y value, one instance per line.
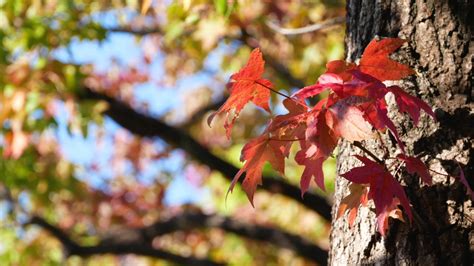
pixel 67 162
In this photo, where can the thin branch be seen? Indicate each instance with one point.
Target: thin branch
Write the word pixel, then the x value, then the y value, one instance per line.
pixel 139 248
pixel 130 30
pixel 146 126
pixel 307 29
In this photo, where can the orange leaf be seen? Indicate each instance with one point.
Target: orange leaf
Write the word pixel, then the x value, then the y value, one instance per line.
pixel 291 126
pixel 391 210
pixel 356 197
pixel 245 86
pixel 255 154
pixel 376 62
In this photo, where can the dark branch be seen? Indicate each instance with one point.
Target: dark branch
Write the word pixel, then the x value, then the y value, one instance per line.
pixel 139 248
pixel 191 220
pixel 137 240
pixel 130 30
pixel 146 126
pixel 202 111
pixel 69 245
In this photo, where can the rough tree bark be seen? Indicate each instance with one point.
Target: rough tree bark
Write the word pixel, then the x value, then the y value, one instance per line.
pixel 440 48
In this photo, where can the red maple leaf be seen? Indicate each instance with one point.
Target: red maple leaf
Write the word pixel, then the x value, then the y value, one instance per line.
pixel 312 158
pixel 288 124
pixel 415 165
pixel 245 86
pixel 255 153
pixel 320 141
pixel 320 134
pixel 383 119
pixel 325 81
pixel 410 104
pixel 356 104
pixel 316 139
pixel 383 187
pixel 348 122
pixel 289 127
pixel 376 62
pixel 362 92
pixel 341 68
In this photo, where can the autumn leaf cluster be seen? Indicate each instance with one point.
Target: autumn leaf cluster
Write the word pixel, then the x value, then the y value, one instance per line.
pixel 354 110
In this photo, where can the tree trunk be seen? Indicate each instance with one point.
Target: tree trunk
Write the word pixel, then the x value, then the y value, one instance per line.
pixel 440 49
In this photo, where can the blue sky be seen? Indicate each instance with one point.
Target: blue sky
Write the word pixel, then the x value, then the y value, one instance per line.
pixel 83 150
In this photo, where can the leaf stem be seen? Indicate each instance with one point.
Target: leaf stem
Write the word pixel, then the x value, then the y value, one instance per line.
pixel 279 93
pixel 360 146
pixel 436 172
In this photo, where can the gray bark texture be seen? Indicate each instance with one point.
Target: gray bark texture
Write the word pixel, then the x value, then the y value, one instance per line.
pixel 440 48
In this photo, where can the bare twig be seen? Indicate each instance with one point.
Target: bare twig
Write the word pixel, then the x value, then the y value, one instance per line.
pixel 136 31
pixel 307 29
